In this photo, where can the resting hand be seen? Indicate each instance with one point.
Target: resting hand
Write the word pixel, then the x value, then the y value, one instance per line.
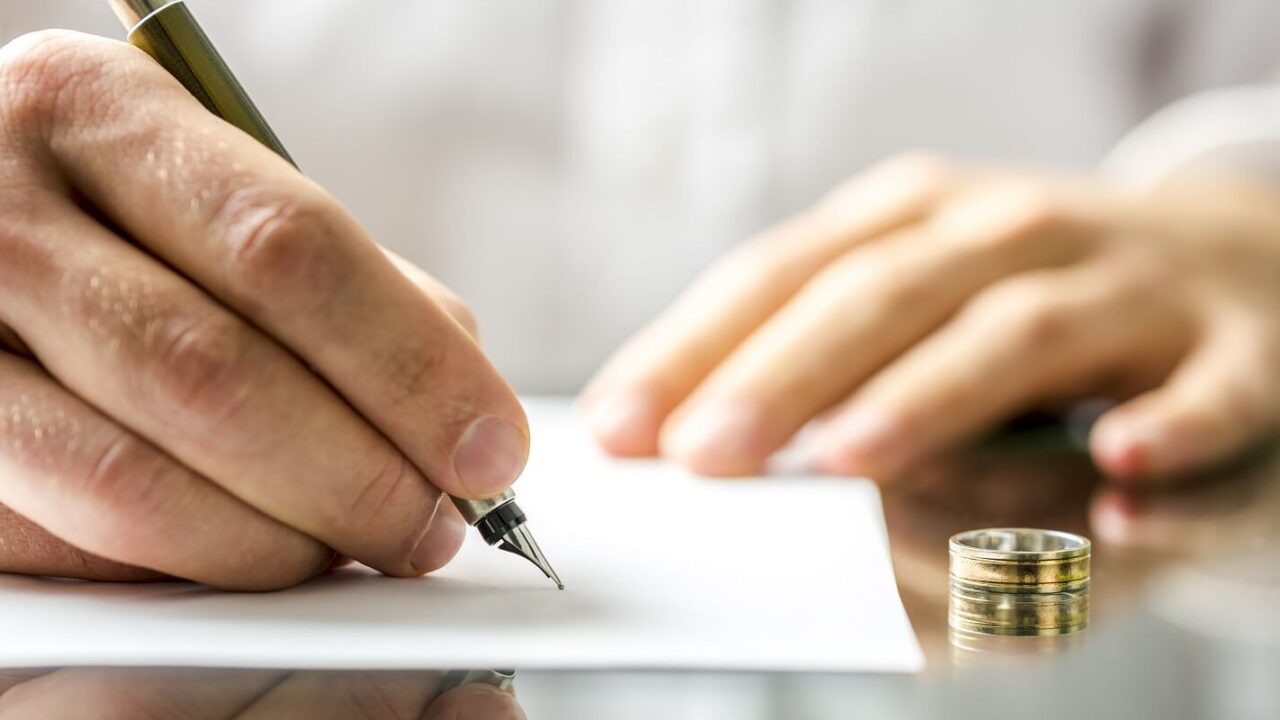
pixel 923 302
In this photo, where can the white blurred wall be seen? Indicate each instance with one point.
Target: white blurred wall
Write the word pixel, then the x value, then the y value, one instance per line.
pixel 568 165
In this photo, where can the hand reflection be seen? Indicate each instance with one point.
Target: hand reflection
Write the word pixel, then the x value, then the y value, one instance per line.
pixel 245 695
pixel 1235 510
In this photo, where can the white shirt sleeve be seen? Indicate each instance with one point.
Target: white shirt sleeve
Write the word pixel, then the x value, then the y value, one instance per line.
pixel 1236 128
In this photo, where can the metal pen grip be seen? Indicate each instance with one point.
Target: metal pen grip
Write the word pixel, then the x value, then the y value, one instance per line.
pixel 473 510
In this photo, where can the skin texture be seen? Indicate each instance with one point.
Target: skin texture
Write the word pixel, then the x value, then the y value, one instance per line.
pixel 212 372
pixel 178 694
pixel 926 301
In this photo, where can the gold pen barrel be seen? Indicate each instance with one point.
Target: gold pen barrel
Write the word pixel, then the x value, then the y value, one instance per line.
pixel 167 31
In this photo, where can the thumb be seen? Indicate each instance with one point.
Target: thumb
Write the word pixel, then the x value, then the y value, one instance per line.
pixel 1223 398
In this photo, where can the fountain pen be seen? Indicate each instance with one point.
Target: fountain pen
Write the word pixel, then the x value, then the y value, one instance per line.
pixel 168 32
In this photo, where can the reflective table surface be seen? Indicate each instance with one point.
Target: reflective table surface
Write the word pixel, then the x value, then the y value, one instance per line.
pixel 1184 623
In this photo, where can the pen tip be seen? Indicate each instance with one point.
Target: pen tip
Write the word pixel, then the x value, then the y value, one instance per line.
pixel 520 542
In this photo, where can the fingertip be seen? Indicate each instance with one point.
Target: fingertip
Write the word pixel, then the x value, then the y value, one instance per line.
pixel 718 438
pixel 1117 455
pixel 490 455
pixel 862 443
pixel 441 542
pixel 625 424
pixel 1145 447
pixel 475 702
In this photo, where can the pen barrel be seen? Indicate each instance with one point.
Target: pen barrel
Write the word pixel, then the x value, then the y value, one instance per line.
pixel 174 39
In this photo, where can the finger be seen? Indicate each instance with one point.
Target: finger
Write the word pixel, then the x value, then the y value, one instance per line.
pixel 108 694
pixel 441 295
pixel 139 342
pixel 28 549
pixel 639 386
pixel 341 695
pixel 1223 398
pixel 271 245
pixel 99 487
pixel 854 318
pixel 475 702
pixel 1025 341
pixel 12 678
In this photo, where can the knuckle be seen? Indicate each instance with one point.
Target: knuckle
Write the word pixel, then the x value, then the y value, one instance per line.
pixel 876 277
pixel 411 370
pixel 1026 314
pixel 203 366
pixel 131 482
pixel 26 256
pixel 896 295
pixel 283 246
pixel 1013 214
pixel 375 494
pixel 414 374
pixel 1032 209
pixel 43 71
pixel 1041 324
pixel 888 192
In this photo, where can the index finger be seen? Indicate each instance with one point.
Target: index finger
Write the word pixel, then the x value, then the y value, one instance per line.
pixel 656 370
pixel 274 247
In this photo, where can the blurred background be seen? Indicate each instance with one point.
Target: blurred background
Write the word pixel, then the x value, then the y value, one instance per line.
pixel 567 166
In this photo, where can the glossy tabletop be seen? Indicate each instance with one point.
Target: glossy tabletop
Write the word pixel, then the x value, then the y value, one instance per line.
pixel 1185 622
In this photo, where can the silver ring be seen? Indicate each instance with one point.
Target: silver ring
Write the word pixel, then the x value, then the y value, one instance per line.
pixel 1020 544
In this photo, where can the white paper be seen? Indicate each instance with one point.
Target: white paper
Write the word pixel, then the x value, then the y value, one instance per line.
pixel 663 571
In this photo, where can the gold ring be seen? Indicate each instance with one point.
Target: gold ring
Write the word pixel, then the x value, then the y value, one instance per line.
pixel 1020 556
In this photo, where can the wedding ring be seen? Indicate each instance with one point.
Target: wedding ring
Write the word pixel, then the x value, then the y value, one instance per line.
pixel 1020 556
pixel 1018 582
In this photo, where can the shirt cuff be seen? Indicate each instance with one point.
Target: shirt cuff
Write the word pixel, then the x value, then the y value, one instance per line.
pixel 1236 129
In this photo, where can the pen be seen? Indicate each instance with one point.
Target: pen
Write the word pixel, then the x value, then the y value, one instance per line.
pixel 167 31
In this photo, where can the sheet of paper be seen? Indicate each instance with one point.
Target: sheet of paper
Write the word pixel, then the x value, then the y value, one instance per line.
pixel 663 571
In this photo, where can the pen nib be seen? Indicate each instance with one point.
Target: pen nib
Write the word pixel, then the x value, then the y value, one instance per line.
pixel 520 542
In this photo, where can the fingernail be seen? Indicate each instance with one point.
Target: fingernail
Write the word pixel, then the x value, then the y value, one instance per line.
pixel 490 456
pixel 1123 447
pixel 719 438
pixel 862 441
pixel 626 423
